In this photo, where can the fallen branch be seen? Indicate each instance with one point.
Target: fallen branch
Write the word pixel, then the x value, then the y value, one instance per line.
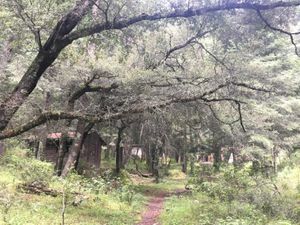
pixel 38 188
pixel 138 171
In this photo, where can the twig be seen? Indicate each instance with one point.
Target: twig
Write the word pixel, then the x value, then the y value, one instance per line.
pixel 290 34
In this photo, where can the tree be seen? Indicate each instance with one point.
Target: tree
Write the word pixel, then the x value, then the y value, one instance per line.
pixel 114 16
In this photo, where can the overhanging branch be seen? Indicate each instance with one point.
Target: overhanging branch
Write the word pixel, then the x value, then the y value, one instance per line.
pixel 290 34
pixel 177 14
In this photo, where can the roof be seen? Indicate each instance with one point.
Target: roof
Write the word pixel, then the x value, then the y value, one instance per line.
pixel 59 135
pixel 100 138
pixel 72 134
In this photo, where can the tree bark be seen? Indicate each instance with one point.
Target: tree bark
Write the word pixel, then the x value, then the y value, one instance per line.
pixel 155 162
pixel 274 159
pixel 74 152
pixel 36 148
pixel 46 56
pixel 63 148
pixel 149 158
pixel 107 153
pixel 184 150
pixel 86 132
pixel 63 140
pixel 184 162
pixel 75 148
pixel 44 136
pixel 217 157
pixel 119 150
pixel 63 36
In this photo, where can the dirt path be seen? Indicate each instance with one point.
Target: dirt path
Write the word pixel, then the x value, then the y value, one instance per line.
pixel 154 208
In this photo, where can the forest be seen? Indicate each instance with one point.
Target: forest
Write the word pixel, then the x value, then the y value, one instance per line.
pixel 149 112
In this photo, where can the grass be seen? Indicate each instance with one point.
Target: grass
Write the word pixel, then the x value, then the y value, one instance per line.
pixel 203 209
pixel 106 203
pixel 175 180
pixel 46 210
pixel 101 205
pixel 200 209
pixel 289 181
pixel 165 186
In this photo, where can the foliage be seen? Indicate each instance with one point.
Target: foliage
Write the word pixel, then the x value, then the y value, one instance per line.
pixel 185 77
pixel 240 186
pixel 88 200
pixel 203 210
pixel 30 170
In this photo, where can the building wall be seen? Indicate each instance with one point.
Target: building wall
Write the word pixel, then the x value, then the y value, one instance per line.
pixel 51 150
pixel 92 150
pixel 91 154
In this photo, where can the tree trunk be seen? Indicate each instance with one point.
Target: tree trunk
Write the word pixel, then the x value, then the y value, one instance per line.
pixel 36 148
pixel 184 162
pixel 119 150
pixel 217 158
pixel 39 154
pixel 149 158
pixel 184 151
pixel 63 148
pixel 192 163
pixel 44 136
pixel 75 148
pixel 274 159
pixel 155 163
pixel 107 153
pixel 63 145
pixel 46 56
pixel 177 158
pixel 126 155
pixel 86 132
pixel 6 52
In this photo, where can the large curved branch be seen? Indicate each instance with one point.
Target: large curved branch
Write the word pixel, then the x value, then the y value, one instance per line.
pixel 177 14
pixel 219 119
pixel 37 121
pixel 92 118
pixel 46 116
pixel 188 42
pixel 46 56
pixel 89 88
pixel 63 35
pixel 250 87
pixel 239 109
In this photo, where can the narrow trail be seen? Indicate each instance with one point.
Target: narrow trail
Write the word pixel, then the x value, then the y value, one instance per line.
pixel 155 207
pixel 157 194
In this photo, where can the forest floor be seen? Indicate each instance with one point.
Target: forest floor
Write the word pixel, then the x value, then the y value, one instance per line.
pixel 157 194
pixel 89 201
pixel 156 205
pixel 153 211
pixel 141 201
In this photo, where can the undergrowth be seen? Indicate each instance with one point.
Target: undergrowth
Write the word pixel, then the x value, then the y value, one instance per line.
pixel 88 201
pixel 237 196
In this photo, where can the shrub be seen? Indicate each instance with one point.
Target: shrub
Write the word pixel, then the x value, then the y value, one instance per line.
pixel 239 186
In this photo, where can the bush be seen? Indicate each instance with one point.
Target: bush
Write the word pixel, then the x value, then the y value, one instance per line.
pixel 239 186
pixel 203 210
pixel 126 194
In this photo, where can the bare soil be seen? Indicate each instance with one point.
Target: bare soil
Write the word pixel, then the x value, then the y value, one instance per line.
pixel 155 207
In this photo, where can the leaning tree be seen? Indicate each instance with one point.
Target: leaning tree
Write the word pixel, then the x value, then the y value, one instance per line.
pixel 78 23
